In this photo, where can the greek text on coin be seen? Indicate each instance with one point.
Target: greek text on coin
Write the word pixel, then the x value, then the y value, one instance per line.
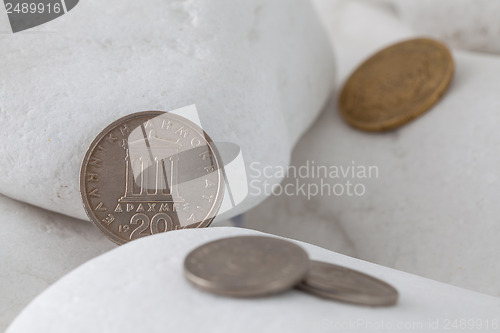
pixel 151 172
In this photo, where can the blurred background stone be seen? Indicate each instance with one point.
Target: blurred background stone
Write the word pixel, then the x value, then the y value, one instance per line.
pixel 464 24
pixel 431 211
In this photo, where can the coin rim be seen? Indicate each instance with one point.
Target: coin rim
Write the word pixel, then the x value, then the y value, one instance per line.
pixel 86 205
pixel 422 107
pixel 324 291
pixel 257 291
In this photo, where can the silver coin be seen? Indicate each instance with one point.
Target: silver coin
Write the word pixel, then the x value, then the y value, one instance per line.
pixel 343 284
pixel 246 266
pixel 151 172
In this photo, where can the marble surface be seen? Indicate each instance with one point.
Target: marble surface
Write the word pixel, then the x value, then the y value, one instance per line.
pixel 37 247
pixel 256 76
pixel 432 209
pixel 140 287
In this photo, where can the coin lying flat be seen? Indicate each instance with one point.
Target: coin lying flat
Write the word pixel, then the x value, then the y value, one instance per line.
pixel 151 172
pixel 396 85
pixel 246 266
pixel 343 284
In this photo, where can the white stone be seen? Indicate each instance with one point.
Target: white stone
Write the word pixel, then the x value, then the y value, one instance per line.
pixel 359 28
pixel 140 287
pixel 258 71
pixel 433 211
pixel 465 24
pixel 37 247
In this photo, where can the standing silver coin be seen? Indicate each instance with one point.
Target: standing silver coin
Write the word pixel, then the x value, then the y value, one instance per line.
pixel 151 172
pixel 343 284
pixel 246 266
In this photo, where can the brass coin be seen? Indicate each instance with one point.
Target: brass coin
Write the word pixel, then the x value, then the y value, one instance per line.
pixel 246 266
pixel 396 85
pixel 151 172
pixel 343 284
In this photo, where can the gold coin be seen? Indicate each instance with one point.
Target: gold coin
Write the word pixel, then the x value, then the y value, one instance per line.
pixel 396 85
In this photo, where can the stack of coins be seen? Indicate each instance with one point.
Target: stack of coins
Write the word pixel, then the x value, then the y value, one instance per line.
pixel 253 266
